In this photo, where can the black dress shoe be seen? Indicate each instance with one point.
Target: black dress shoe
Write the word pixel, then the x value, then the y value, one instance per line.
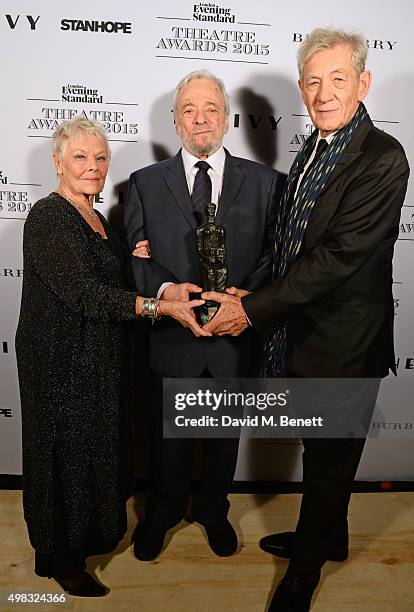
pixel 222 538
pixel 294 592
pixel 281 545
pixel 88 587
pixel 148 541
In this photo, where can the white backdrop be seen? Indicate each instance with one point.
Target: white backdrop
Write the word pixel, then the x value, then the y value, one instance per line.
pixel 119 62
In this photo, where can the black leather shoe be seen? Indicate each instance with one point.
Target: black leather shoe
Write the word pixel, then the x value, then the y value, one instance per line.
pixel 294 592
pixel 281 544
pixel 88 587
pixel 148 541
pixel 222 538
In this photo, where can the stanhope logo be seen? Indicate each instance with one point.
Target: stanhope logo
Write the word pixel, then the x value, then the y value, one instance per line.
pixel 207 11
pixel 107 27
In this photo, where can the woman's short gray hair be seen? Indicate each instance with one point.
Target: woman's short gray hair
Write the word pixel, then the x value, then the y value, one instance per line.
pixel 202 74
pixel 326 38
pixel 71 129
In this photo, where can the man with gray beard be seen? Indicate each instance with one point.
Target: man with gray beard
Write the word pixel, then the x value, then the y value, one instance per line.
pixel 165 205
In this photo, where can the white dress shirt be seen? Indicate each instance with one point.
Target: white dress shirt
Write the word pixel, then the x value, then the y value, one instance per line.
pixel 328 139
pixel 216 161
pixel 215 172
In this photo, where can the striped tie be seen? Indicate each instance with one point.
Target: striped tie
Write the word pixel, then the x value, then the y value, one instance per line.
pixel 201 195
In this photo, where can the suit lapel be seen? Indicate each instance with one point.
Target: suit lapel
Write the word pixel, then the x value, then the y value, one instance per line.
pixel 174 176
pixel 351 153
pixel 232 183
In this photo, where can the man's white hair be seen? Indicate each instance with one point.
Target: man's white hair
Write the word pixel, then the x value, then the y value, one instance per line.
pixel 202 74
pixel 326 38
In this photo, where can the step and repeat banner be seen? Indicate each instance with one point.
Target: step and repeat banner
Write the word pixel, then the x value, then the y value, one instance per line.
pixel 119 63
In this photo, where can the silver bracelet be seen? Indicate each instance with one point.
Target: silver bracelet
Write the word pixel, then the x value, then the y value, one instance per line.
pixel 150 308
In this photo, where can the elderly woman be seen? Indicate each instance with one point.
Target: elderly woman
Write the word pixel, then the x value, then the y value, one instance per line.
pixel 72 360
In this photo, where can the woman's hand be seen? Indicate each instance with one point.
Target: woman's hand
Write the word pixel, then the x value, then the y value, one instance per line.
pixel 142 249
pixel 183 313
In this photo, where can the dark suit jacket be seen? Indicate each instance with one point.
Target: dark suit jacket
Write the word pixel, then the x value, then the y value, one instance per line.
pixel 337 297
pixel 159 209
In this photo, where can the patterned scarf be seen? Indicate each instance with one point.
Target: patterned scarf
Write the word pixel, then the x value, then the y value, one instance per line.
pixel 293 217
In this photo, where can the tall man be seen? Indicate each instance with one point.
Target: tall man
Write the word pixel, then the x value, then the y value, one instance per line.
pixel 164 205
pixel 331 302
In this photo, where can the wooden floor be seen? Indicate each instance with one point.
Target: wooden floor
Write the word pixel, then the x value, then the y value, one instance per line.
pixel 188 577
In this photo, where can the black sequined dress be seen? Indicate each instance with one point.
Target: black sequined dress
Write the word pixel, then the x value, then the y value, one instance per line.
pixel 72 354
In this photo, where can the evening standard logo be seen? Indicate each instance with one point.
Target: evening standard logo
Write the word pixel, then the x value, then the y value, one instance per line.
pixel 102 27
pixel 83 100
pixel 3 178
pixel 207 11
pixel 373 43
pixel 81 93
pixel 218 40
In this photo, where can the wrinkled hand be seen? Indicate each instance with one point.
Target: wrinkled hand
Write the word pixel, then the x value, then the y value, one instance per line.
pixel 230 319
pixel 142 249
pixel 237 292
pixel 183 313
pixel 179 291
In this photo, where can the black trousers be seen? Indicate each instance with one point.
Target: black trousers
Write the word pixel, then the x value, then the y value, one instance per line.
pixel 329 469
pixel 171 467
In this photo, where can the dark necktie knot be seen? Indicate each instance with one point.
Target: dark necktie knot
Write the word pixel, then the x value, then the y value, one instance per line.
pixel 202 165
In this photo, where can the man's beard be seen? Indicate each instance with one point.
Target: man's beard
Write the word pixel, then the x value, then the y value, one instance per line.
pixel 204 150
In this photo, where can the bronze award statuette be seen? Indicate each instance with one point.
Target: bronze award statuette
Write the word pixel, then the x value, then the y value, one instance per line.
pixel 211 246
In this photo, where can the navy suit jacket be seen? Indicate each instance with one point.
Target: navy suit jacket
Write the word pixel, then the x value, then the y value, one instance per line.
pixel 337 296
pixel 159 209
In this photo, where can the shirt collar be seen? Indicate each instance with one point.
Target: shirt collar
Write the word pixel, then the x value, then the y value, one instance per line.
pixel 328 138
pixel 216 160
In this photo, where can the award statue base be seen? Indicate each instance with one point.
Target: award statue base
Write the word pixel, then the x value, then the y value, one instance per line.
pixel 206 312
